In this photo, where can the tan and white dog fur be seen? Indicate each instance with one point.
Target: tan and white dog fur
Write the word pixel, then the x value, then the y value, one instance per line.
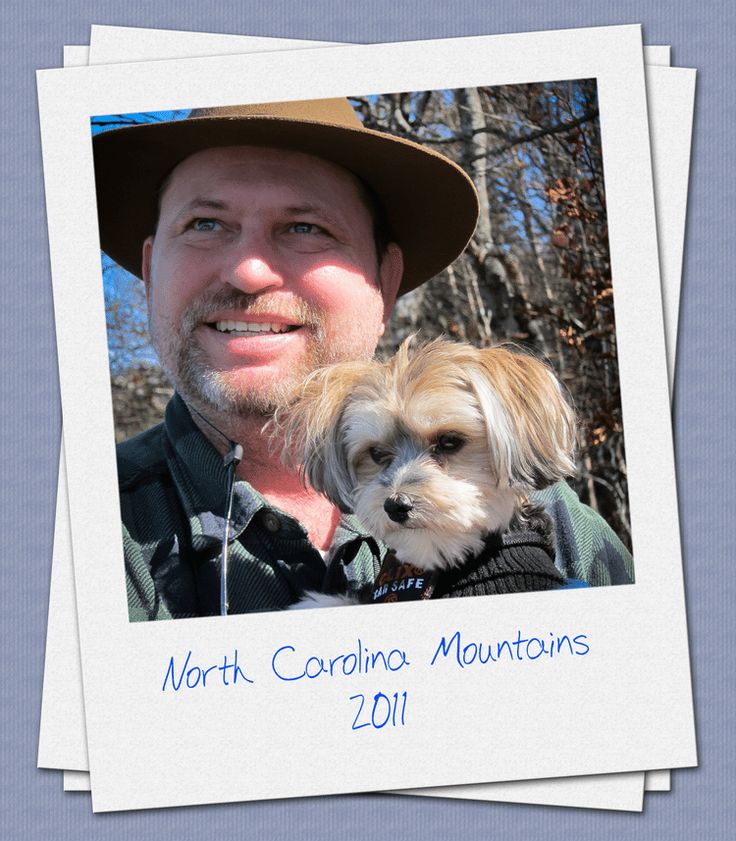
pixel 435 448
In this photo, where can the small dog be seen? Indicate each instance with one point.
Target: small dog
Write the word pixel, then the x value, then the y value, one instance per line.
pixel 433 450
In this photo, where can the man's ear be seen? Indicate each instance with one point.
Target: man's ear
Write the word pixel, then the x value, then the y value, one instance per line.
pixel 146 263
pixel 390 273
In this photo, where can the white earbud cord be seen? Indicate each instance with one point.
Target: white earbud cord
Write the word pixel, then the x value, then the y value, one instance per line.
pixel 232 459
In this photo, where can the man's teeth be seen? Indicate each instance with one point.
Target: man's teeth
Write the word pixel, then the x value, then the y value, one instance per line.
pixel 251 327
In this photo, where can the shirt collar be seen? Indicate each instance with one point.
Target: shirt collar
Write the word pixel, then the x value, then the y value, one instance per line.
pixel 201 480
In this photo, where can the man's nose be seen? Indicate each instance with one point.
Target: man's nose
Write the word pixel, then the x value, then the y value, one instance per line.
pixel 253 267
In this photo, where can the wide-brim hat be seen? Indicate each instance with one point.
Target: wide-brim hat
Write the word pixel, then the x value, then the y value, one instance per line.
pixel 430 204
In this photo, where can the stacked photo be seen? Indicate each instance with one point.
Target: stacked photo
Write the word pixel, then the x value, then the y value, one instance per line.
pixel 366 356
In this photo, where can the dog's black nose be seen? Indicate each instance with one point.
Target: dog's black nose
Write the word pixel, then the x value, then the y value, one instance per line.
pixel 398 507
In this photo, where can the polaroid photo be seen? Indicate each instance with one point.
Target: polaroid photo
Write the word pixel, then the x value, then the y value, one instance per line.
pixel 669 93
pixel 126 664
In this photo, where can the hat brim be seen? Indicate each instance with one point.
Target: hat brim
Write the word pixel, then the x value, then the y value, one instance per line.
pixel 430 203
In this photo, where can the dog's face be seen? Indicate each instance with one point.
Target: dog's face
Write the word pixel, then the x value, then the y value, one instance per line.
pixel 435 448
pixel 416 447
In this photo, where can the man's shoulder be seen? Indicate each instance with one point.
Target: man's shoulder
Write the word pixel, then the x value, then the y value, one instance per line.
pixel 586 546
pixel 142 458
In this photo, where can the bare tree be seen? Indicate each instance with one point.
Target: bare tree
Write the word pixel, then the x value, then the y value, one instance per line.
pixel 537 271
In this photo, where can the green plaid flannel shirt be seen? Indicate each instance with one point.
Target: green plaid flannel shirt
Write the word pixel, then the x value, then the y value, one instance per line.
pixel 173 492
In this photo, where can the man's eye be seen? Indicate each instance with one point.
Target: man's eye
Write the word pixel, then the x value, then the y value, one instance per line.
pixel 449 443
pixel 205 225
pixel 305 228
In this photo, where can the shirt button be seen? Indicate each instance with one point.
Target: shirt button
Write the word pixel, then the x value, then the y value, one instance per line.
pixel 271 522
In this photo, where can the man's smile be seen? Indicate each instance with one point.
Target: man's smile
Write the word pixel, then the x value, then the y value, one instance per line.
pixel 251 338
pixel 256 321
pixel 251 328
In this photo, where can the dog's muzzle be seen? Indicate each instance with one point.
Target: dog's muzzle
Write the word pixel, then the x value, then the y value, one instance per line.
pixel 398 507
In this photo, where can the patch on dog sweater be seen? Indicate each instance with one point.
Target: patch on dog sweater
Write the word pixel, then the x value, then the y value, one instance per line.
pixel 400 582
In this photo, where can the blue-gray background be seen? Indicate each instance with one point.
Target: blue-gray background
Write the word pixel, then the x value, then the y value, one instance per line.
pixel 701 804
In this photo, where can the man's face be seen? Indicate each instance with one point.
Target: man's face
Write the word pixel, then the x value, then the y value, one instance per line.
pixel 263 267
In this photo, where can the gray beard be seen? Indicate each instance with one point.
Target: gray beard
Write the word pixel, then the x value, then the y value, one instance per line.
pixel 187 366
pixel 195 378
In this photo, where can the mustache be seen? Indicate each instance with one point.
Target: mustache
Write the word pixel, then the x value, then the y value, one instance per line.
pixel 295 309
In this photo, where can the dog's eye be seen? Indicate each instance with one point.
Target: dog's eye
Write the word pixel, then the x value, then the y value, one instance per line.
pixel 379 456
pixel 449 443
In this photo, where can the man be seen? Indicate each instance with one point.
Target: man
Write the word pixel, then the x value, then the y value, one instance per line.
pixel 271 240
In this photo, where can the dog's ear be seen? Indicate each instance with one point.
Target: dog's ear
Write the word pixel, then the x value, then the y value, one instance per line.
pixel 531 426
pixel 310 435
